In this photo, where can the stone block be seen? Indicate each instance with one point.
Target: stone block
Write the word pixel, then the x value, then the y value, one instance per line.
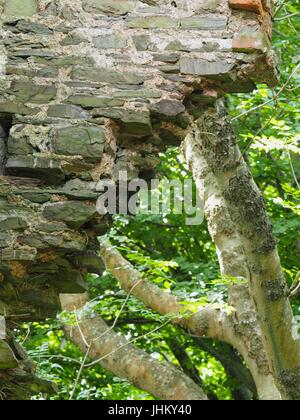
pixel 204 23
pixel 202 67
pixel 45 168
pixel 251 5
pixel 152 22
pixel 89 101
pixel 110 42
pixel 22 8
pixel 250 40
pixel 133 121
pixel 67 111
pixel 168 108
pixel 106 75
pixel 73 213
pixel 27 91
pixel 88 141
pixel 108 7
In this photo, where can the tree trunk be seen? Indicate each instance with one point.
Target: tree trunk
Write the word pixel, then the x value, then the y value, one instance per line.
pixel 246 245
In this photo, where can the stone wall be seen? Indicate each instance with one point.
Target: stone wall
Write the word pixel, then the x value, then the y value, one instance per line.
pixel 92 87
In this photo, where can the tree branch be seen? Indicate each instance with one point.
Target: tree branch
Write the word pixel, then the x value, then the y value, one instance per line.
pixel 211 321
pixel 116 354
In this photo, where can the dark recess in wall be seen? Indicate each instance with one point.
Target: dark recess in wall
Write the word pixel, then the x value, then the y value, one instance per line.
pixel 5 126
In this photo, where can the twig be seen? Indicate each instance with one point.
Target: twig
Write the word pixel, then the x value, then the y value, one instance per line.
pixel 287 16
pixel 279 7
pixel 80 330
pixel 80 373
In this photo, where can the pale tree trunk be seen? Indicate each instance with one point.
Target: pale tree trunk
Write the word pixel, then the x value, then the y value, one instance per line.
pixel 115 353
pixel 246 246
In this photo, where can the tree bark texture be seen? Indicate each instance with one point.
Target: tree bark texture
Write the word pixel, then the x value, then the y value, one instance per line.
pixel 116 354
pixel 245 242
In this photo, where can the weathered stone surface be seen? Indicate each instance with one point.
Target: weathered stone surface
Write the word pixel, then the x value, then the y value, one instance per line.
pixel 204 68
pixel 110 42
pixel 23 26
pixel 138 93
pixel 20 7
pixel 105 75
pixel 88 141
pixel 74 213
pixel 95 101
pixel 14 107
pixel 67 111
pixel 141 42
pixel 168 108
pixel 135 122
pixel 252 5
pixel 152 22
pixel 72 39
pixel 26 91
pixel 250 40
pixel 108 7
pixel 204 23
pixel 11 222
pixel 38 166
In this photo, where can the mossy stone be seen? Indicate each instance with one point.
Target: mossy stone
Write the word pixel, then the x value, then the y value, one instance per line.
pixel 22 8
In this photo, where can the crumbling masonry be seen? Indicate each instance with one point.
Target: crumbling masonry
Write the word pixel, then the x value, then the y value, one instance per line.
pixel 89 88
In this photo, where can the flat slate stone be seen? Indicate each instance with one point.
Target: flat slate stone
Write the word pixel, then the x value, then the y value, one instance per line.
pixel 204 23
pixel 152 22
pixel 73 213
pixel 88 142
pixel 26 91
pixel 110 42
pixel 200 67
pixel 67 111
pixel 108 7
pixel 89 101
pixel 169 108
pixel 20 7
pixel 105 75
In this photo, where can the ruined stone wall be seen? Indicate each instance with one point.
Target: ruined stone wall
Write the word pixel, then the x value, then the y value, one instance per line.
pixel 92 87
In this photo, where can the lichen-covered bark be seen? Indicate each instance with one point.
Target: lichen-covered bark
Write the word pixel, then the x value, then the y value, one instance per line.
pixel 116 354
pixel 247 337
pixel 244 231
